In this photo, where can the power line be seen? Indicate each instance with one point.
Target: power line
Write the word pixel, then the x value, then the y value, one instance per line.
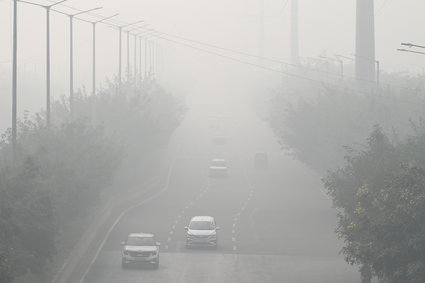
pixel 260 57
pixel 285 73
pixel 276 60
pixel 257 65
pixel 115 22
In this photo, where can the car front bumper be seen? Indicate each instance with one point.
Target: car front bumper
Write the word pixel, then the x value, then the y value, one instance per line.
pixel 139 259
pixel 201 241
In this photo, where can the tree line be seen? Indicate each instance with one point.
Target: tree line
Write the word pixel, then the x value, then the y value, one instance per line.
pixel 370 150
pixel 57 176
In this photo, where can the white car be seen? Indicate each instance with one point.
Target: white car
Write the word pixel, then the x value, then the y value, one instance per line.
pixel 202 231
pixel 140 248
pixel 218 168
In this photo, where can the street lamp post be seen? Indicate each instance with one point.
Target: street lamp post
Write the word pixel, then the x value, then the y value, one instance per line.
pixel 128 56
pixel 48 8
pixel 94 51
pixel 146 57
pixel 135 58
pixel 153 51
pixel 120 29
pixel 71 55
pixel 147 50
pixel 128 53
pixel 140 59
pixel 14 76
pixel 410 51
pixel 138 36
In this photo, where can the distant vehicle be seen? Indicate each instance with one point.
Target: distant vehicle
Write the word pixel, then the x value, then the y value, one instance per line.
pixel 140 248
pixel 202 231
pixel 218 140
pixel 261 159
pixel 218 168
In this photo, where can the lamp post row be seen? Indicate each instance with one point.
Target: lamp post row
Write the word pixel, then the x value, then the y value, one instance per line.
pixel 48 8
pixel 71 54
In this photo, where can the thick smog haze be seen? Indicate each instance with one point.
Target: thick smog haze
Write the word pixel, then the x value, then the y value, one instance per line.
pixel 212 141
pixel 326 27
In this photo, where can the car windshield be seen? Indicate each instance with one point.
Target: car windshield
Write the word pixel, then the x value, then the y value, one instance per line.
pixel 201 225
pixel 141 241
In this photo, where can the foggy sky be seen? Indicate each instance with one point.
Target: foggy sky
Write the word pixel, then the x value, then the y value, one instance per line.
pixel 326 26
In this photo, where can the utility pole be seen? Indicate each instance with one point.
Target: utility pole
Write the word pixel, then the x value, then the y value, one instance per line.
pixel 295 56
pixel 14 77
pixel 365 42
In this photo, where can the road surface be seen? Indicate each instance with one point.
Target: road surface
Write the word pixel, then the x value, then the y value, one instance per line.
pixel 276 223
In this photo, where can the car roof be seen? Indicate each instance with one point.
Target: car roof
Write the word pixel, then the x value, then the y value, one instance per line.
pixel 141 235
pixel 202 218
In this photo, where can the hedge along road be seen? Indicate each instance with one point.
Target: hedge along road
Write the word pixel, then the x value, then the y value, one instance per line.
pixel 276 225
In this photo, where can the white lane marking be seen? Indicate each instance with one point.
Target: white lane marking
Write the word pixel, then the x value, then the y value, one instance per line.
pixel 234 248
pixel 233 231
pixel 174 227
pixel 166 247
pixel 233 239
pixel 179 216
pixel 171 232
pixel 234 224
pixel 105 238
pixel 59 271
pixel 177 221
pixel 169 239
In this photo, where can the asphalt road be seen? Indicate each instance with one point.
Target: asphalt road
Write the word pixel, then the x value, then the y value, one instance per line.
pixel 276 223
